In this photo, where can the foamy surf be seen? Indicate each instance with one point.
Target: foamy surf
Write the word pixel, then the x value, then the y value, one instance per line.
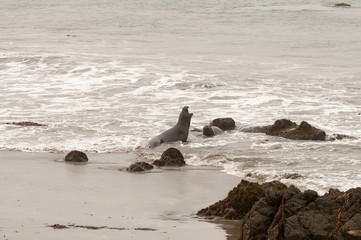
pixel 109 86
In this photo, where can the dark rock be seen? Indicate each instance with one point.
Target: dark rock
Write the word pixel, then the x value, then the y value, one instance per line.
pixel 240 200
pixel 58 226
pixel 310 195
pixel 224 123
pixel 275 212
pixel 292 176
pixel 76 156
pixel 334 137
pixel 280 126
pixel 288 129
pixel 139 167
pixel 171 157
pixel 306 132
pixel 342 5
pixel 27 124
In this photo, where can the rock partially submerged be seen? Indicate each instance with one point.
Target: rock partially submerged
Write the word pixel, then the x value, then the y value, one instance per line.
pixel 274 211
pixel 171 157
pixel 76 157
pixel 27 124
pixel 224 123
pixel 139 167
pixel 334 137
pixel 291 130
pixel 342 5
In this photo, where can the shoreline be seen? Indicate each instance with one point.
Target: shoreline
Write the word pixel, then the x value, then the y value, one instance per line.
pixel 40 190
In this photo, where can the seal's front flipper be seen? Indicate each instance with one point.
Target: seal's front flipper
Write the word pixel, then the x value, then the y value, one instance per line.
pixel 155 143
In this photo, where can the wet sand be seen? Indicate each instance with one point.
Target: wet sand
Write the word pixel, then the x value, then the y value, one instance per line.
pixel 100 200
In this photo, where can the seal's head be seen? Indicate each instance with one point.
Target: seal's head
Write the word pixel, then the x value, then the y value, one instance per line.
pixel 185 116
pixel 208 131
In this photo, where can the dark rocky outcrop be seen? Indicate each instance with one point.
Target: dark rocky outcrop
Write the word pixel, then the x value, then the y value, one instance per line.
pixel 139 167
pixel 240 200
pixel 76 156
pixel 273 211
pixel 342 5
pixel 224 123
pixel 27 124
pixel 291 130
pixel 171 157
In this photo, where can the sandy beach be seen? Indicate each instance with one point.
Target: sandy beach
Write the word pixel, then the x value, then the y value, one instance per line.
pixel 100 200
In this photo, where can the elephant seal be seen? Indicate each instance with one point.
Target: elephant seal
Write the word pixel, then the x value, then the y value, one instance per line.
pixel 177 133
pixel 210 131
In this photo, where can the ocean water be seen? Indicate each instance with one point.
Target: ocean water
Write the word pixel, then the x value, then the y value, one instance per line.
pixel 108 75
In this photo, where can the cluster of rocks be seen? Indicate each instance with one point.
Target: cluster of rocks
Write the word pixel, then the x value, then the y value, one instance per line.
pixel 291 130
pixel 281 128
pixel 274 211
pixel 171 157
pixel 287 129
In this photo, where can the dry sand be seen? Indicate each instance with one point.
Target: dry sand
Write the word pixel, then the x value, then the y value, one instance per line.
pixel 39 189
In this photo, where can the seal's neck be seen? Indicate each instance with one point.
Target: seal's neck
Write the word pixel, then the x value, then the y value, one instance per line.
pixel 184 121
